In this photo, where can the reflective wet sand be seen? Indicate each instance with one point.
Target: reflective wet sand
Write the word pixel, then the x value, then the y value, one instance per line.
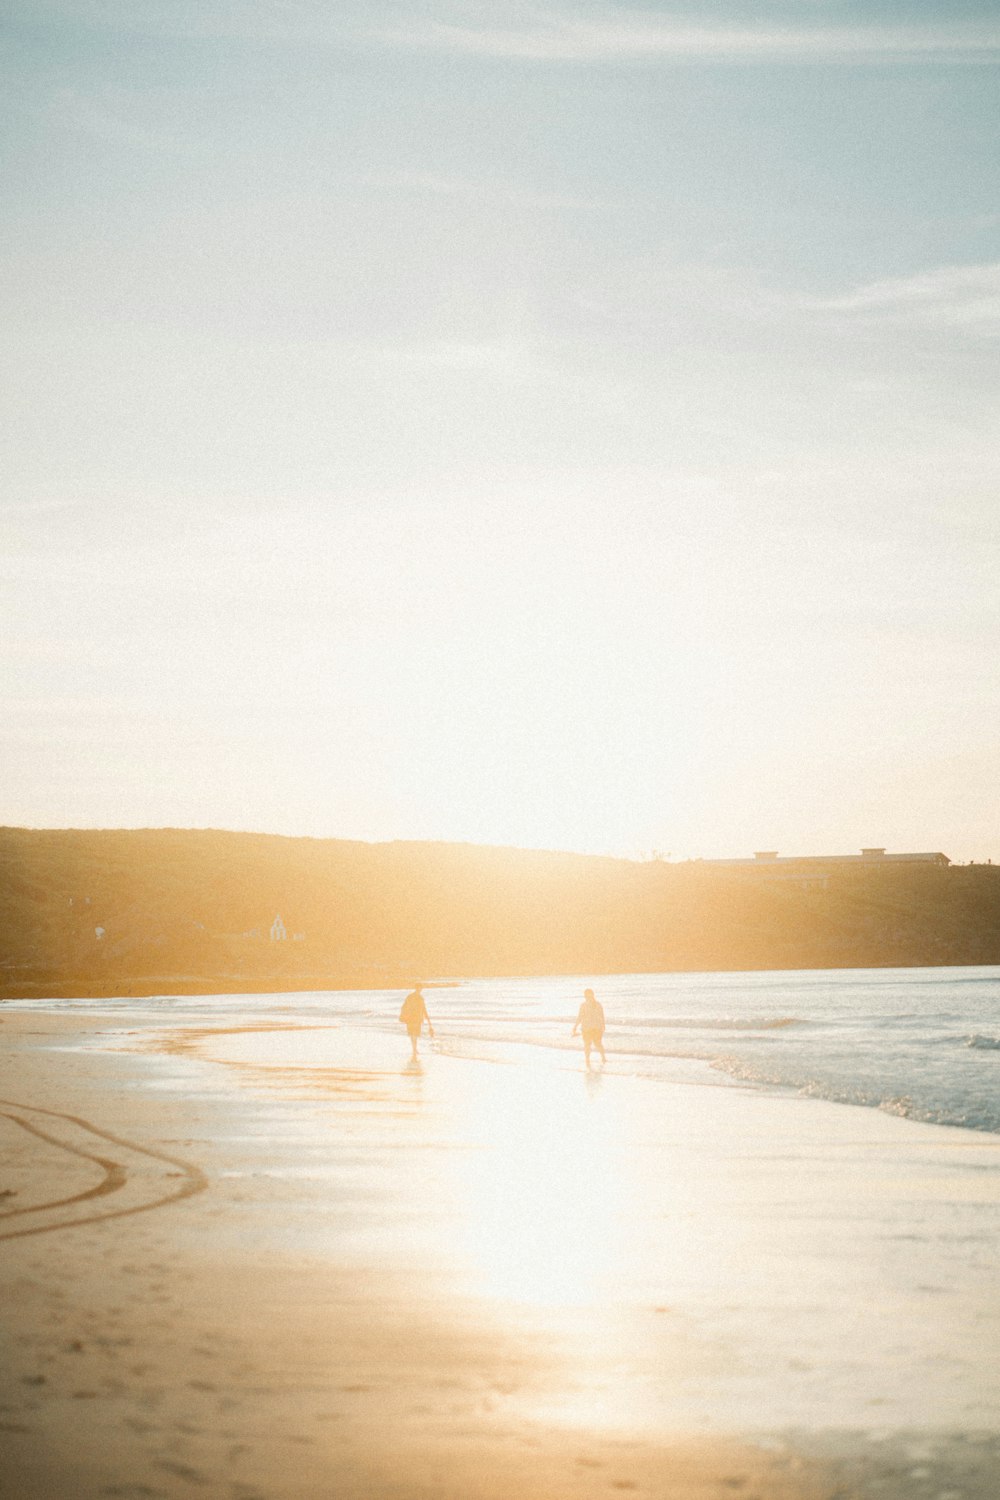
pixel 467 1276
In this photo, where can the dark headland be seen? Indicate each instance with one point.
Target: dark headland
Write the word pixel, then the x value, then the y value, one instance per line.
pixel 105 912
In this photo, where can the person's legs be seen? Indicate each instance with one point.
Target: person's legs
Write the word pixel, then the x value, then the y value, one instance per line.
pixel 592 1038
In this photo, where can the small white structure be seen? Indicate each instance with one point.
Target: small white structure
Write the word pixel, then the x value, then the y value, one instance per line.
pixel 278 931
pixel 98 933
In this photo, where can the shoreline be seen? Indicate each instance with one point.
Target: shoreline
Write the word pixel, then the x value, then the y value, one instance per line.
pixel 323 1312
pixel 144 987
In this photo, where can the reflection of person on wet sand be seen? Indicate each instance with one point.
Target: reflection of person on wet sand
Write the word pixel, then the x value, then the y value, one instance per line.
pixel 590 1021
pixel 414 1014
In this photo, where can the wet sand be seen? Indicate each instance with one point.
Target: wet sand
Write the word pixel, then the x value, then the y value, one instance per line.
pixel 276 1263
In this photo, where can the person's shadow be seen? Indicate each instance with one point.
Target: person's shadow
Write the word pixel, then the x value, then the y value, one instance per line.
pixel 413 1067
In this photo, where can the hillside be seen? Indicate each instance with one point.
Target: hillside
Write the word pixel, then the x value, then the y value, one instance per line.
pixel 139 911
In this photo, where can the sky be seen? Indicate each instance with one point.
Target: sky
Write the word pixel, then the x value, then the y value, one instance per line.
pixel 570 425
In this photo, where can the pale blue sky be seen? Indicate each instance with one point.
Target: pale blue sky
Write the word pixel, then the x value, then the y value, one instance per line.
pixel 568 425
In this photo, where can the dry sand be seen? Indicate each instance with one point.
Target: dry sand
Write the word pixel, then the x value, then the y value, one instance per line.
pixel 191 1306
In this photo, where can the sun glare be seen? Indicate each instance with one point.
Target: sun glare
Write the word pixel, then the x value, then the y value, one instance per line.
pixel 541 1189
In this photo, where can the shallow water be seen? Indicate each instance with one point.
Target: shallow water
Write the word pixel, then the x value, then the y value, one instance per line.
pixel 922 1043
pixel 699 1249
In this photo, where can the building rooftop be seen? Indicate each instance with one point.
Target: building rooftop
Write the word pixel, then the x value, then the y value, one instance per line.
pixel 869 856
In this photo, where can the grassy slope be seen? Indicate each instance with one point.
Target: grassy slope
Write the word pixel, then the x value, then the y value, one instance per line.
pixel 177 907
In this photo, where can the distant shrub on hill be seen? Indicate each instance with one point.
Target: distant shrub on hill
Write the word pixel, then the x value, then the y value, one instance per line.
pixel 117 910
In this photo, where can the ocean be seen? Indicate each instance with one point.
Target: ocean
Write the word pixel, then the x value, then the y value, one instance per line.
pixel 741 1223
pixel 921 1043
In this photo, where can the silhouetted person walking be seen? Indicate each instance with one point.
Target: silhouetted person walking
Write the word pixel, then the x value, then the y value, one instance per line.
pixel 590 1021
pixel 414 1014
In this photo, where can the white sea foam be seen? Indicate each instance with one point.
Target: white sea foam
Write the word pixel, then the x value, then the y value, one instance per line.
pixel 916 1042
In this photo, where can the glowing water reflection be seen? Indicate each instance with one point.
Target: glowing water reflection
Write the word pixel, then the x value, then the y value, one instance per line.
pixel 541 1187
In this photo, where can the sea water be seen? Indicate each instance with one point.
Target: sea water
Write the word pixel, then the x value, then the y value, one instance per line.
pixel 717 1256
pixel 922 1043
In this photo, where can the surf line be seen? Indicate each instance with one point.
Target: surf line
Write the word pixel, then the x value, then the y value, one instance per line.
pixel 115 1173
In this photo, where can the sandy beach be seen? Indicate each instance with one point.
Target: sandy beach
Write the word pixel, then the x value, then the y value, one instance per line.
pixel 268 1261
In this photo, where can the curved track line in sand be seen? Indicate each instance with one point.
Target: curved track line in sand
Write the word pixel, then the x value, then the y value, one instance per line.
pixel 115 1176
pixel 115 1173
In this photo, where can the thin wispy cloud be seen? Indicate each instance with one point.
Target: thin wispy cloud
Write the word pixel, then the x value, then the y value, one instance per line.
pixel 506 360
pixel 581 31
pixel 485 190
pixel 108 120
pixel 594 35
pixel 375 362
pixel 278 21
pixel 956 298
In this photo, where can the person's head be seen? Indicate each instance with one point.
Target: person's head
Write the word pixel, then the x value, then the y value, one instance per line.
pixel 588 994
